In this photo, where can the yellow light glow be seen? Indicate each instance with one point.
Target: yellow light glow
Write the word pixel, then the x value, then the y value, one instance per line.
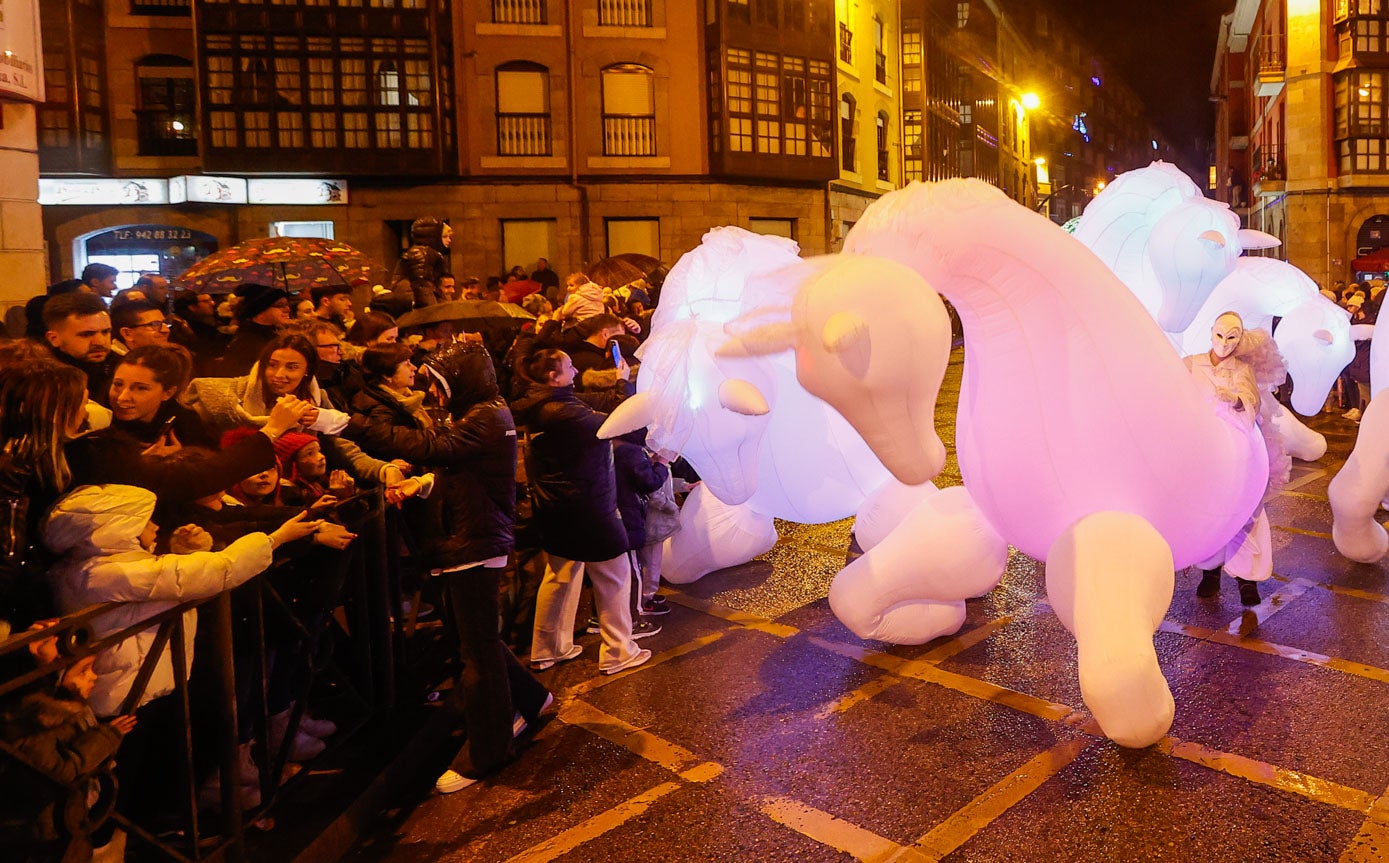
pixel 1031 101
pixel 1039 161
pixel 1099 187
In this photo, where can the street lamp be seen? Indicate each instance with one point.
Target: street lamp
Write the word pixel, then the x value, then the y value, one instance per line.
pixel 1031 101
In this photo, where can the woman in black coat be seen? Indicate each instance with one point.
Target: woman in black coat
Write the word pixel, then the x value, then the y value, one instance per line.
pixel 575 495
pixel 468 528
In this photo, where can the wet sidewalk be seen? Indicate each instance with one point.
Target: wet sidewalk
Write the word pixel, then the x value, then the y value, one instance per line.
pixel 763 730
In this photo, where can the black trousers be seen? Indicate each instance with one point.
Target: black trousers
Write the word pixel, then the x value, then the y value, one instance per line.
pixel 494 685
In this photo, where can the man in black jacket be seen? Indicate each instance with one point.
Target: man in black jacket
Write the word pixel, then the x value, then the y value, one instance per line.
pixel 78 330
pixel 469 527
pixel 263 311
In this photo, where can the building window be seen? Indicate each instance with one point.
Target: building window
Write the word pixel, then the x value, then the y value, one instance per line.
pixel 846 43
pixel 821 109
pixel 911 55
pixel 794 12
pixel 523 109
pixel 1361 125
pixel 879 54
pixel 768 90
pixel 322 230
pixel 962 14
pixel 638 236
pixel 525 240
pixel 796 95
pixel 518 11
pixel 884 167
pixel 911 145
pixel 166 119
pixel 739 98
pixel 624 13
pixel 846 133
pixel 773 227
pixel 303 83
pixel 629 110
pixel 740 10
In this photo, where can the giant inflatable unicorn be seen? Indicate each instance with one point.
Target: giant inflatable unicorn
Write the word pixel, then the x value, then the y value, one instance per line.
pixel 1179 253
pixel 763 446
pixel 1081 438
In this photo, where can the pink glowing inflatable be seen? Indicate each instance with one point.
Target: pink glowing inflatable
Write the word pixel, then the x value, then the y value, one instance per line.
pixel 1078 428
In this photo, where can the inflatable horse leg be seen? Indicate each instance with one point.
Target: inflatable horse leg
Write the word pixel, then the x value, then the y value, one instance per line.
pixel 1110 579
pixel 1360 487
pixel 714 535
pixel 910 586
pixel 1300 441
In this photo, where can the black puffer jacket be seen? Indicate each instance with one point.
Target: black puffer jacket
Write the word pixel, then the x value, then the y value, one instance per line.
pixel 25 595
pixel 637 476
pixel 416 277
pixel 571 471
pixel 471 514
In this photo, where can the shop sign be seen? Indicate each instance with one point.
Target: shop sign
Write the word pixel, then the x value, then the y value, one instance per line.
pixel 297 191
pixel 207 190
pixel 21 51
pixel 102 192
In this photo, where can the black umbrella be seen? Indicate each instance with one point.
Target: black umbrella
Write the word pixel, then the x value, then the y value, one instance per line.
pixel 464 310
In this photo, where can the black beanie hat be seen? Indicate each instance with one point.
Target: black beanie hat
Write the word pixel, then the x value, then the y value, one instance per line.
pixel 256 299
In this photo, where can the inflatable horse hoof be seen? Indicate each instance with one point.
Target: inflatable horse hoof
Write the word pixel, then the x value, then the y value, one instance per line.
pixel 1114 618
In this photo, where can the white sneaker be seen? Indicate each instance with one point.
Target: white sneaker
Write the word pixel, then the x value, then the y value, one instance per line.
pixel 542 664
pixel 519 723
pixel 452 781
pixel 1352 414
pixel 636 659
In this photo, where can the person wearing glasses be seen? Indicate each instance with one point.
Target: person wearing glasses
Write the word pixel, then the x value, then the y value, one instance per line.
pixel 136 324
pixel 337 376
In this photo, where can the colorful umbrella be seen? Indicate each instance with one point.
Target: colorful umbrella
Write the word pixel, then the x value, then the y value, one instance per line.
pixel 294 263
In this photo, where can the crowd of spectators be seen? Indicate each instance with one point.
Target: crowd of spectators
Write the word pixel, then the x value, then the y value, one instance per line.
pixel 1361 300
pixel 159 447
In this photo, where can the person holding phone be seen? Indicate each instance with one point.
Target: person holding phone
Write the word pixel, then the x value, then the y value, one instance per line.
pixel 599 353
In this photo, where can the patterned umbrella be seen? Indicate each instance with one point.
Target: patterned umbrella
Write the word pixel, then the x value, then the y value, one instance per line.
pixel 295 263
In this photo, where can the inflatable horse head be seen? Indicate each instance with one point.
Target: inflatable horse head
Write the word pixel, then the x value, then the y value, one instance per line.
pixel 746 425
pixel 1315 341
pixel 1165 240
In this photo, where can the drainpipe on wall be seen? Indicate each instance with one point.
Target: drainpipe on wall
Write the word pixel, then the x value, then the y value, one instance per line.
pixel 572 92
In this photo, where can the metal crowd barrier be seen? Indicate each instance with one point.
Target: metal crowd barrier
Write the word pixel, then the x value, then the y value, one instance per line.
pixel 369 588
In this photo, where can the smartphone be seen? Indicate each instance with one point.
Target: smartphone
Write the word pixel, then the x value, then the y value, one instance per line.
pixel 167 427
pixel 616 352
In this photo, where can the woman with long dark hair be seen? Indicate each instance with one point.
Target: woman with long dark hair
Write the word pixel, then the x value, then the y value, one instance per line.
pixel 145 390
pixel 42 405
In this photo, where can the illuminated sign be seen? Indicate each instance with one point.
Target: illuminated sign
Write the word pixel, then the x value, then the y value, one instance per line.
pixel 103 192
pixel 190 188
pixel 207 190
pixel 298 191
pixel 21 52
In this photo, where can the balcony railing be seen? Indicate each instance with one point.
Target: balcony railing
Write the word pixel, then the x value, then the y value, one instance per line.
pixel 880 67
pixel 1272 54
pixel 629 136
pixel 1267 171
pixel 166 133
pixel 846 43
pixel 518 11
pixel 624 13
pixel 161 7
pixel 523 134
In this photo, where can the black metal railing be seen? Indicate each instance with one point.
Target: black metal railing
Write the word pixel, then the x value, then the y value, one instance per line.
pixel 162 132
pixel 366 584
pixel 629 136
pixel 181 8
pixel 523 135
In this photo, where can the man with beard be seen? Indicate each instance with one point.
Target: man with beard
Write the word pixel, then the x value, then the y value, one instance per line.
pixel 78 331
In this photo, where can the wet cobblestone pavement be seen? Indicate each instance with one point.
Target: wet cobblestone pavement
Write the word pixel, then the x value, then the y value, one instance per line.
pixel 764 731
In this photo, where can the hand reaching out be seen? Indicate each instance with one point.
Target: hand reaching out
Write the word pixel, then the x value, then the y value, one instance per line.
pixel 123 724
pixel 190 538
pixel 334 536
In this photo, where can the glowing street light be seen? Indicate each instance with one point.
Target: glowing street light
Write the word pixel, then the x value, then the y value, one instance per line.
pixel 1031 101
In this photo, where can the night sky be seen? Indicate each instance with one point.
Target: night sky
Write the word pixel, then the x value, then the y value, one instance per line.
pixel 1165 51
